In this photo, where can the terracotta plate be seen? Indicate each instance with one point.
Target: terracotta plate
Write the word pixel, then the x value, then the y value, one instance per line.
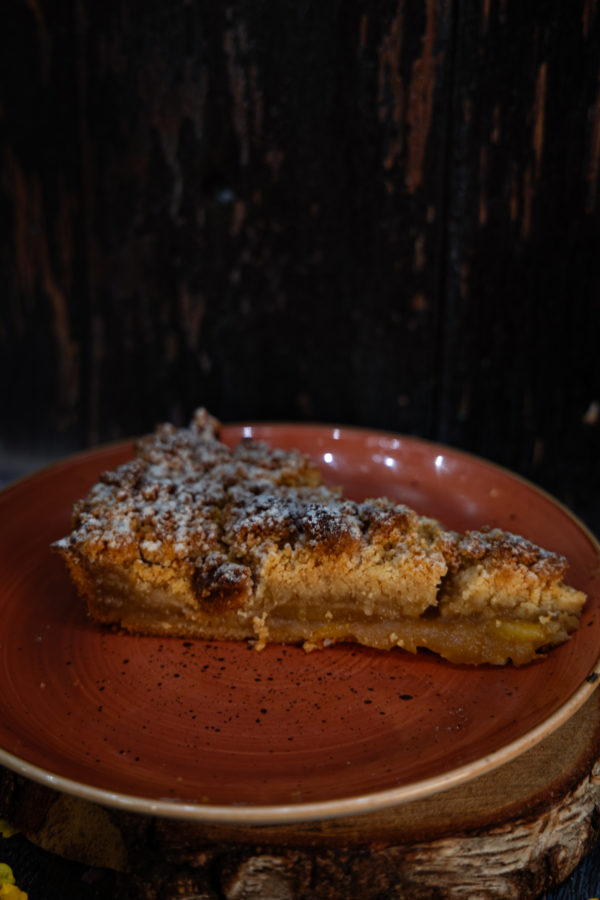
pixel 219 732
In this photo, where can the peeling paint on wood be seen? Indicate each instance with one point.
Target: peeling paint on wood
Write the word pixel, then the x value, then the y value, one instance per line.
pixel 221 191
pixel 390 81
pixel 420 102
pixel 235 46
pixel 539 112
pixel 34 271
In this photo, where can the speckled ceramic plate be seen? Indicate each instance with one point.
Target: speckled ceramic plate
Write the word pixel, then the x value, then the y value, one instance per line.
pixel 219 732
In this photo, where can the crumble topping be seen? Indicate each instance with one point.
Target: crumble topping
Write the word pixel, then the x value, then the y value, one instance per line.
pixel 188 497
pixel 194 537
pixel 502 546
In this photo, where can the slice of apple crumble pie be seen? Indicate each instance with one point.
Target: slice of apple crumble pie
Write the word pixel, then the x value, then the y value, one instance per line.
pixel 192 538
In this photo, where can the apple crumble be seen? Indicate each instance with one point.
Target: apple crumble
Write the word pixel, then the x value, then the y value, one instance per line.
pixel 192 538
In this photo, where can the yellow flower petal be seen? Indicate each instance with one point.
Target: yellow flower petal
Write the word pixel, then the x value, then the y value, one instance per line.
pixel 11 892
pixel 6 874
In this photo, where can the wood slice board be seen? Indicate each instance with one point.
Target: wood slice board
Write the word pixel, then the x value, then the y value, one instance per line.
pixel 512 833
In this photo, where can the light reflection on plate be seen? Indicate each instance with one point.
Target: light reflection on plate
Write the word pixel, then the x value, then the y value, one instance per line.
pixel 218 732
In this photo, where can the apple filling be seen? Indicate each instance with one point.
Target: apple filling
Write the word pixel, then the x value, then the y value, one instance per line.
pixel 470 641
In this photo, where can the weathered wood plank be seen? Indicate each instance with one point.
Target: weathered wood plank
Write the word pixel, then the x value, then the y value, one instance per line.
pixel 43 322
pixel 508 835
pixel 385 214
pixel 254 213
pixel 348 212
pixel 269 211
pixel 520 381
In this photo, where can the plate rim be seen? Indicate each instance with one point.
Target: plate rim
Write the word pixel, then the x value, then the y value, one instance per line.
pixel 357 804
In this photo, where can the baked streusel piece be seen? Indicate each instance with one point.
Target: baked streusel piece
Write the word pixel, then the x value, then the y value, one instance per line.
pixel 192 538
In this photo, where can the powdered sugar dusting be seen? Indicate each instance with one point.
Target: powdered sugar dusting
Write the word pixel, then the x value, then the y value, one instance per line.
pixel 186 495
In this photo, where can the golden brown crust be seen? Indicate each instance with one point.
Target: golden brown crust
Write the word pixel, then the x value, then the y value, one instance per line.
pixel 193 537
pixel 500 547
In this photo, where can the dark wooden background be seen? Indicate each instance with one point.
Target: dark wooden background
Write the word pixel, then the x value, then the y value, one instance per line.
pixel 374 213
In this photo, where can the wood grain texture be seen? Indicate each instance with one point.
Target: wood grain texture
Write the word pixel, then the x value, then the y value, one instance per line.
pixel 379 214
pixel 245 202
pixel 253 234
pixel 41 250
pixel 383 214
pixel 520 375
pixel 510 834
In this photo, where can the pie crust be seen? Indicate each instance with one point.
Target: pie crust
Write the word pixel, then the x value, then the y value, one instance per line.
pixel 192 538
